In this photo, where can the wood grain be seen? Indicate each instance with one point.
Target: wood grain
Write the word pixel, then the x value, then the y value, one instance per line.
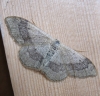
pixel 76 23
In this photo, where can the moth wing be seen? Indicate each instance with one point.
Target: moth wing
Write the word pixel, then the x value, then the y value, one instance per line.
pixel 67 62
pixel 24 32
pixel 32 56
pixel 78 65
pixel 55 69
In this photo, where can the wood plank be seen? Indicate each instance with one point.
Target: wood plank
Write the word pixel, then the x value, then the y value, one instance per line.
pixel 76 23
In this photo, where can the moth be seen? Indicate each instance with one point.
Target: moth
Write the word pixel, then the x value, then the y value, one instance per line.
pixel 41 52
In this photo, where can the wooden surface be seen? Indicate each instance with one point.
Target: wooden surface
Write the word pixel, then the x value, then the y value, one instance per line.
pixel 5 82
pixel 76 23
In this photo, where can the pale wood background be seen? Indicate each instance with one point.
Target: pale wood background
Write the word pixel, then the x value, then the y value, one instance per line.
pixel 76 23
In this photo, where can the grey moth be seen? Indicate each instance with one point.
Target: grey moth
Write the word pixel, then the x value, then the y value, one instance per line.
pixel 41 52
